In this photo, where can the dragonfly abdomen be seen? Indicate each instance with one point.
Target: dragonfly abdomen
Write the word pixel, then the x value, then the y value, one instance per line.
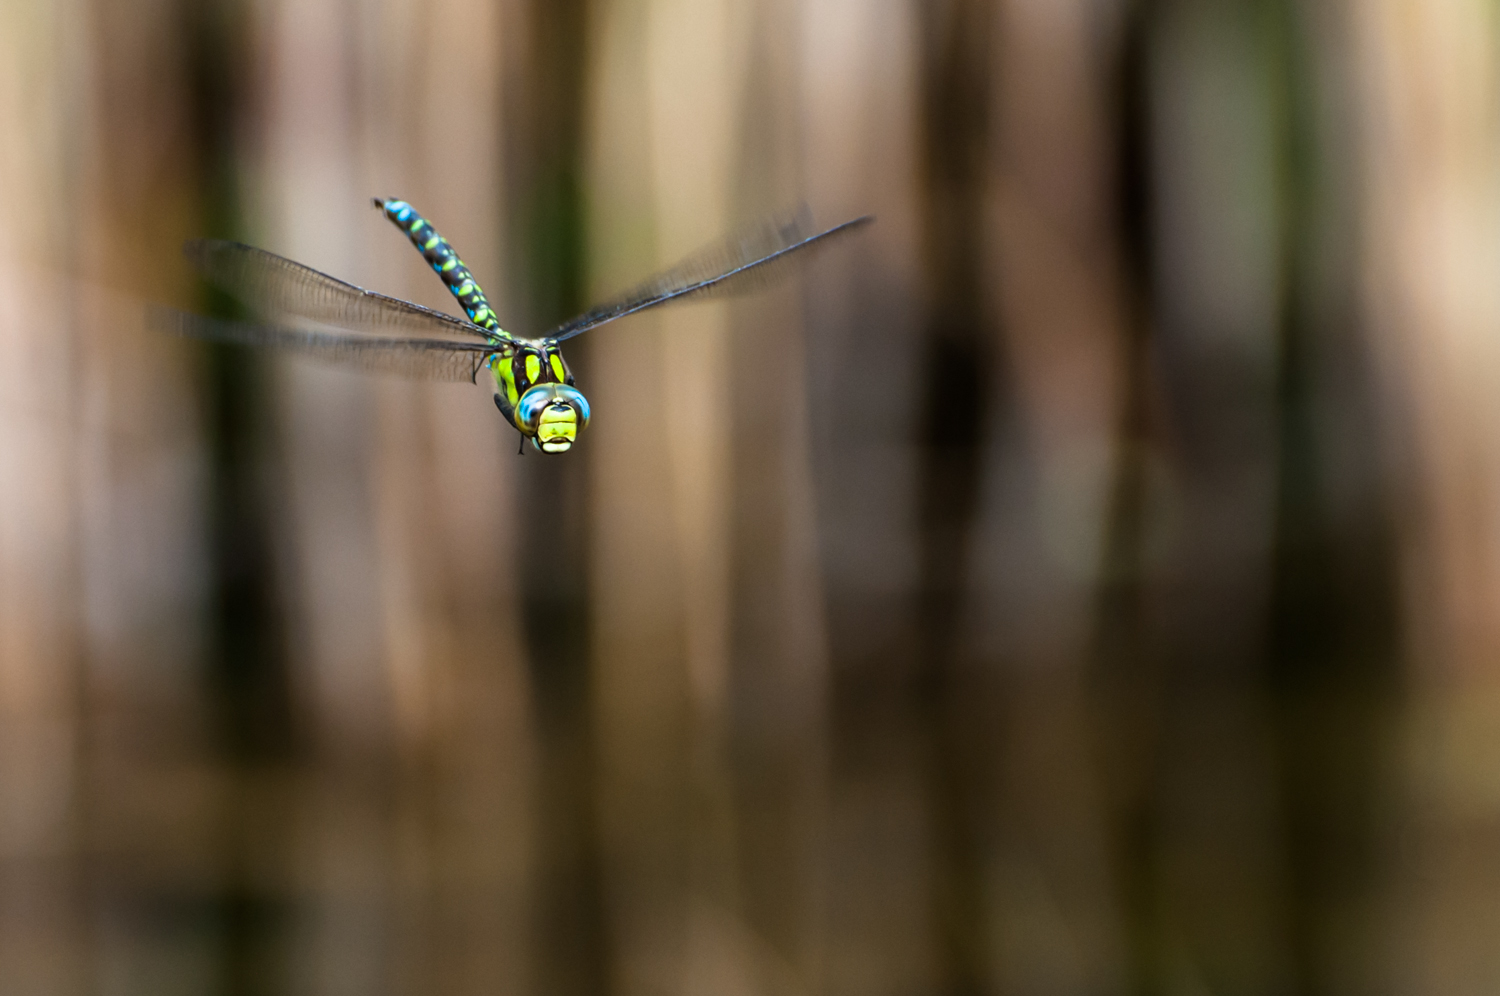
pixel 443 260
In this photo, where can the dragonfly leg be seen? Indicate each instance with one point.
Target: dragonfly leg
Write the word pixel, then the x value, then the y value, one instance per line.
pixel 507 411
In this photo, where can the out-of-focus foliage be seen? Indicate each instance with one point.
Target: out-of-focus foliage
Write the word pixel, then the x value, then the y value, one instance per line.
pixel 1085 582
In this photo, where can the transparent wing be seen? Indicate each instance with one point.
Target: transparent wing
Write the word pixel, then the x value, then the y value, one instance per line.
pixel 748 260
pixel 277 287
pixel 425 359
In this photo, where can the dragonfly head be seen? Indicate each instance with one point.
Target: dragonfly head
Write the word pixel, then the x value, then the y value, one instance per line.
pixel 553 415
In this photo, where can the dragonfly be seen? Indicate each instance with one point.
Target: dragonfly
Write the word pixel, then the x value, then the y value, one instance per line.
pixel 534 387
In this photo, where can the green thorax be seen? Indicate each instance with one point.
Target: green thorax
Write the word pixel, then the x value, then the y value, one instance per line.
pixel 521 366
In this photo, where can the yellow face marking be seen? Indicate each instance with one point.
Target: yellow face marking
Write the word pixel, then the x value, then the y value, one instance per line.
pixel 533 368
pixel 557 428
pixel 557 369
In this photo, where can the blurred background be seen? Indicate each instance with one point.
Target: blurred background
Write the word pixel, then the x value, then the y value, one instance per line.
pixel 1086 581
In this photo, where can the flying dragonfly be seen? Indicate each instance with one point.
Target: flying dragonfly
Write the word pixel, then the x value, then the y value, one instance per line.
pixel 534 386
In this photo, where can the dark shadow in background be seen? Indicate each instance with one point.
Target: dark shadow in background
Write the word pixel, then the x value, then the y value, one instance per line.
pixel 1331 663
pixel 248 681
pixel 544 161
pixel 1334 671
pixel 960 346
pixel 1126 682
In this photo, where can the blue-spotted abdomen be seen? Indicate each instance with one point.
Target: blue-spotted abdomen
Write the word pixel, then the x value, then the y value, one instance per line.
pixel 444 262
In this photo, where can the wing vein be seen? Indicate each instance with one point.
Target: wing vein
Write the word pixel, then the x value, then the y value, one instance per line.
pixel 748 260
pixel 423 358
pixel 278 288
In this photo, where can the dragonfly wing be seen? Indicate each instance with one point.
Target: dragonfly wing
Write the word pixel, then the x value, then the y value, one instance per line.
pixel 425 359
pixel 748 260
pixel 278 287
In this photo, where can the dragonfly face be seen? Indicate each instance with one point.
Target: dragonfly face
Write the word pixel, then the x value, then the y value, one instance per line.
pixel 552 415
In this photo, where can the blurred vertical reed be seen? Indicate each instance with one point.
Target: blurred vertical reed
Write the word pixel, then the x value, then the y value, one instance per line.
pixel 544 159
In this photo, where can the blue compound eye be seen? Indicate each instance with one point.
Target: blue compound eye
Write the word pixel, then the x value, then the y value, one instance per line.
pixel 575 397
pixel 529 408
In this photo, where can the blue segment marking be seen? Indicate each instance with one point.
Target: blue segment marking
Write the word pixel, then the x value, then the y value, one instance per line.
pixel 444 261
